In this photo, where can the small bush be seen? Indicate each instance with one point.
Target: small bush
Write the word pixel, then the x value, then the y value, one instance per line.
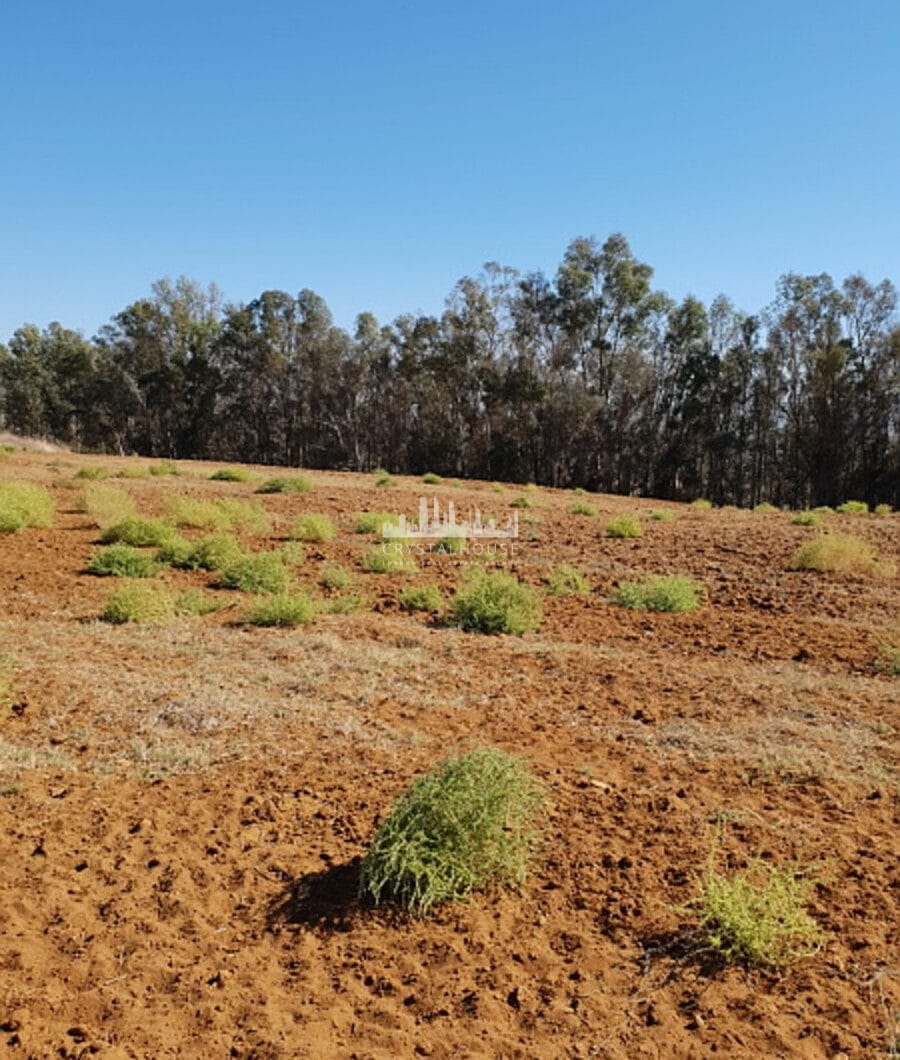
pixel 883 509
pixel 213 552
pixel 334 577
pixel 520 502
pixel 701 504
pixel 164 468
pixel 495 603
pixel 196 514
pixel 282 609
pixel 824 509
pixel 292 552
pixel 806 519
pixel 581 508
pixel 286 484
pixel 245 515
pixel 232 474
pixel 385 481
pixel 758 915
pixel 624 526
pixel 313 528
pixel 839 554
pixel 421 598
pixel 430 479
pixel 566 580
pixel 662 515
pixel 853 508
pixel 391 558
pixel 261 572
pixel 196 602
pixel 105 504
pixel 139 603
pixel 141 533
pixel 92 472
pixel 372 522
pixel 22 504
pixel 461 828
pixel 122 561
pixel 579 491
pixel 671 592
pixel 764 508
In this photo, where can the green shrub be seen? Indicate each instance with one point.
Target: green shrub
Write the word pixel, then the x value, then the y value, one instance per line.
pixel 581 508
pixel 495 603
pixel 806 519
pixel 164 468
pixel 334 577
pixel 105 504
pixel 840 554
pixel 261 572
pixel 579 491
pixel 624 526
pixel 421 598
pixel 292 552
pixel 245 515
pixel 372 522
pixel 463 827
pixel 758 915
pixel 430 479
pixel 313 528
pixel 667 592
pixel 764 508
pixel 391 558
pixel 701 504
pixel 232 474
pixel 195 513
pixel 283 609
pixel 853 508
pixel 139 602
pixel 662 515
pixel 385 481
pixel 122 561
pixel 824 509
pixel 286 484
pixel 196 602
pixel 883 509
pixel 141 533
pixel 23 504
pixel 520 502
pixel 213 552
pixel 566 580
pixel 92 471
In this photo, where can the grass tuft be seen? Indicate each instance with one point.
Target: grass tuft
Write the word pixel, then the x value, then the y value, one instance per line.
pixel 232 474
pixel 122 561
pixel 23 504
pixel 581 508
pixel 666 592
pixel 166 467
pixel 520 502
pixel 334 577
pixel 764 508
pixel 247 516
pixel 566 580
pixel 261 572
pixel 385 481
pixel 312 528
pixel 495 603
pixel 431 479
pixel 105 505
pixel 197 602
pixel 195 514
pixel 464 826
pixel 282 609
pixel 701 504
pixel 139 602
pixel 883 509
pixel 839 554
pixel 853 508
pixel 662 515
pixel 807 519
pixel 372 522
pixel 140 533
pixel 286 484
pixel 92 472
pixel 213 552
pixel 422 598
pixel 624 526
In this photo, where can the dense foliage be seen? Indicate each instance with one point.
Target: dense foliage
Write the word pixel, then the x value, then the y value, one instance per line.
pixel 591 378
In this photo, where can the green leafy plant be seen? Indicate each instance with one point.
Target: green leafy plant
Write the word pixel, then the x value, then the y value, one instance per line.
pixel 141 533
pixel 334 577
pixel 122 561
pixel 624 526
pixel 23 504
pixel 465 826
pixel 853 508
pixel 581 508
pixel 758 915
pixel 213 552
pixel 232 474
pixel 421 598
pixel 283 609
pixel 495 603
pixel 261 572
pixel 806 519
pixel 139 602
pixel 666 592
pixel 431 479
pixel 840 554
pixel 313 528
pixel 286 484
pixel 566 580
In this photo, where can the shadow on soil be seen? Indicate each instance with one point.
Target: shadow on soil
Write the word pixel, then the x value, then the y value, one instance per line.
pixel 327 900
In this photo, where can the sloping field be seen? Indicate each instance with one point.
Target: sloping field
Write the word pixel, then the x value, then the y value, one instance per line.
pixel 184 804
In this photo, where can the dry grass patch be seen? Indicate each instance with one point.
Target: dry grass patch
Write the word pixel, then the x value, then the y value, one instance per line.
pixel 840 554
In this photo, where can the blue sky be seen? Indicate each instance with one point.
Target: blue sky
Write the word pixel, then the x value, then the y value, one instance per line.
pixel 377 152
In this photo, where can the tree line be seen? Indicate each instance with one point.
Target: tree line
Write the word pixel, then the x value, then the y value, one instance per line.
pixel 590 378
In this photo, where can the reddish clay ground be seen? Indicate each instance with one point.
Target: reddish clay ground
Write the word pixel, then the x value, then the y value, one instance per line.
pixel 184 806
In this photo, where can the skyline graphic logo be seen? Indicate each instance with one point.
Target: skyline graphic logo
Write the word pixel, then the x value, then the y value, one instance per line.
pixel 442 526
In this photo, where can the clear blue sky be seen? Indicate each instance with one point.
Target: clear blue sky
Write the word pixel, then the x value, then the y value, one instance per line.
pixel 377 152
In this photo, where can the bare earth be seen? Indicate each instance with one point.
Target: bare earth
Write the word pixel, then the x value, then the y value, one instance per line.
pixel 184 806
